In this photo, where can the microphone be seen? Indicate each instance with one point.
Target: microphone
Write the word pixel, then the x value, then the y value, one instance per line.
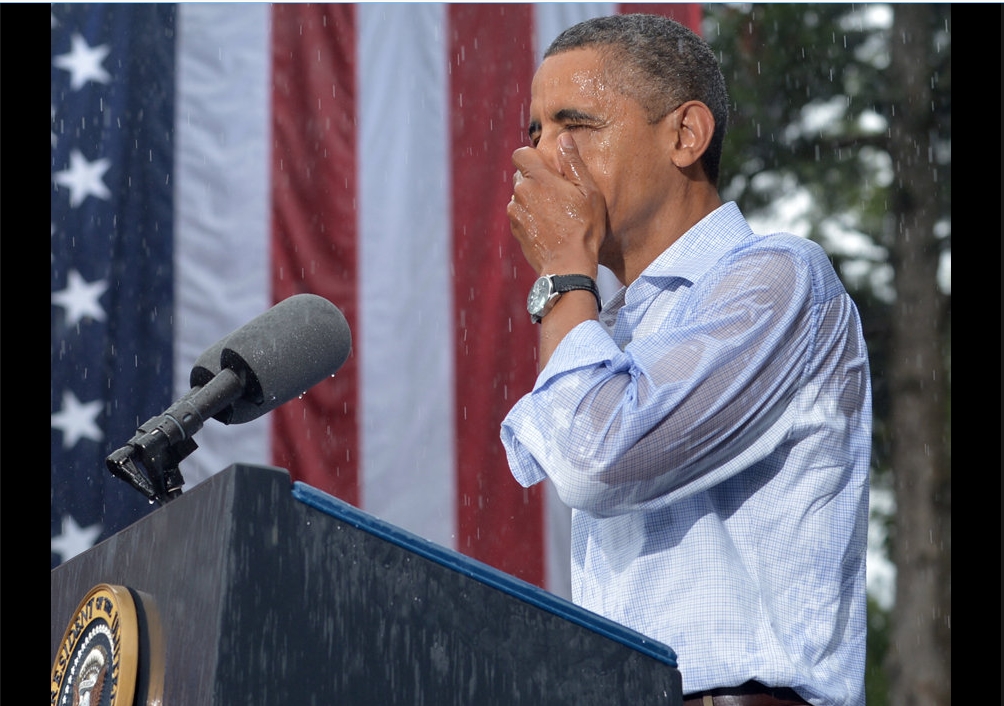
pixel 278 356
pixel 265 363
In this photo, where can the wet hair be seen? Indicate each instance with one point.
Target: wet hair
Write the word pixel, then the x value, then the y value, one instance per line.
pixel 659 63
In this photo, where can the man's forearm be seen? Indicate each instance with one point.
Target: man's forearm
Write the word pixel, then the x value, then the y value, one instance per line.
pixel 569 311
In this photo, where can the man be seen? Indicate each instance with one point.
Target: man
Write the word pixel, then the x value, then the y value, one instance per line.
pixel 710 426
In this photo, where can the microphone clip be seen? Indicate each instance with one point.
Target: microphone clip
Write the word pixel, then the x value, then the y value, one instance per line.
pixel 150 466
pixel 149 462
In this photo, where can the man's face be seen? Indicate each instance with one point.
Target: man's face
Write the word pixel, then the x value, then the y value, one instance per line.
pixel 625 155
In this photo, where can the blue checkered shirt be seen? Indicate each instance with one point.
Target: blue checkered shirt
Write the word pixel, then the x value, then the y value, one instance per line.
pixel 712 436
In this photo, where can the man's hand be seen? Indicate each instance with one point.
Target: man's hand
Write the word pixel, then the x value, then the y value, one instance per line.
pixel 558 216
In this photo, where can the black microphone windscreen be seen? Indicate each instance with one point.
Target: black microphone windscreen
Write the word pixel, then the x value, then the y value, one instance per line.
pixel 282 353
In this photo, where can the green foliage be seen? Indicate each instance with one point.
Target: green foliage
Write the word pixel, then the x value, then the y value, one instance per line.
pixel 804 111
pixel 812 100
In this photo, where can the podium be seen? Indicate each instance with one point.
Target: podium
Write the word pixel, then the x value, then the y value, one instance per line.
pixel 252 589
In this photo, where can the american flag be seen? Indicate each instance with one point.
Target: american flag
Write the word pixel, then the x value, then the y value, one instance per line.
pixel 209 160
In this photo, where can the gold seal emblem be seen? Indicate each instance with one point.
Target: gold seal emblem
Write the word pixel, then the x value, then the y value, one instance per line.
pixel 96 664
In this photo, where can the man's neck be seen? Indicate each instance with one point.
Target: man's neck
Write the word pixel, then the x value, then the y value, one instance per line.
pixel 635 252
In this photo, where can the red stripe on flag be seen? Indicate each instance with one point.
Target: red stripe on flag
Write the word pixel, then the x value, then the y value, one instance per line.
pixel 687 14
pixel 491 55
pixel 314 226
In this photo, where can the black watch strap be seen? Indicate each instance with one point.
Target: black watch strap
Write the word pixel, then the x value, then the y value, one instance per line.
pixel 566 283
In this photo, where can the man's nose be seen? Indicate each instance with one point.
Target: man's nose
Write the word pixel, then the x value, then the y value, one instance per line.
pixel 548 147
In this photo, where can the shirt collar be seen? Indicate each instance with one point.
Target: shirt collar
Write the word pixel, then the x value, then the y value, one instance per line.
pixel 697 250
pixel 693 254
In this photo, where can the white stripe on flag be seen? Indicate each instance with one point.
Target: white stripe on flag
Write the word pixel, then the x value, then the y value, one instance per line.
pixel 405 297
pixel 222 214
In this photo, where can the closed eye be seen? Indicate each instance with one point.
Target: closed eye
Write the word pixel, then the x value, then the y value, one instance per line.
pixel 568 119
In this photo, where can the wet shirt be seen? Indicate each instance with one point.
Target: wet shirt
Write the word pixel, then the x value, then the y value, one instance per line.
pixel 712 436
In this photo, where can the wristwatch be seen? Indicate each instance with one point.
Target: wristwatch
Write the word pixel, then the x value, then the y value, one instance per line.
pixel 548 288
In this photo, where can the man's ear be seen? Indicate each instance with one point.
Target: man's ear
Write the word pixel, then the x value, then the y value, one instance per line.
pixel 693 126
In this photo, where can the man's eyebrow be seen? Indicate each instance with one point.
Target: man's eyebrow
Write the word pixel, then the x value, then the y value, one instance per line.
pixel 573 115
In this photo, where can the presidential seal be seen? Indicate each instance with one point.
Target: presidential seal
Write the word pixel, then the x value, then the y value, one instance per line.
pixel 96 664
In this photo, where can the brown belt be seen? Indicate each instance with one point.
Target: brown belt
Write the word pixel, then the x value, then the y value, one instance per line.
pixel 752 693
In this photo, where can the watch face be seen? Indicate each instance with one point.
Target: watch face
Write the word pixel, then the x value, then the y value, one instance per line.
pixel 539 294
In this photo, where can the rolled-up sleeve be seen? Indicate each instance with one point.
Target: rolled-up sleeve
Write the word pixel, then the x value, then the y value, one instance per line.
pixel 699 393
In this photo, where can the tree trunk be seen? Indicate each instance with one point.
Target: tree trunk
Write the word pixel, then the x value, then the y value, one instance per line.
pixel 919 659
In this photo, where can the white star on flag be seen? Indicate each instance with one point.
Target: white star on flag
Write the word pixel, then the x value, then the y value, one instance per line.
pixel 77 420
pixel 84 62
pixel 83 178
pixel 80 298
pixel 73 538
